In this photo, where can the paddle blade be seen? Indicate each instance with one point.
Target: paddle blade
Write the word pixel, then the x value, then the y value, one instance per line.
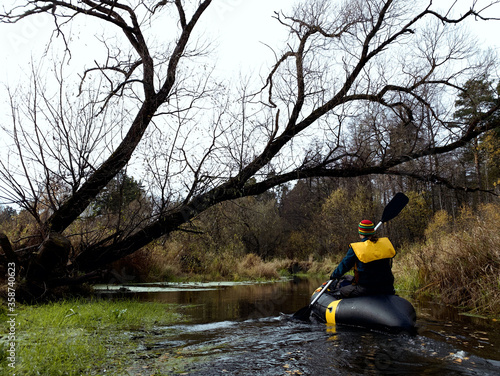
pixel 394 207
pixel 302 314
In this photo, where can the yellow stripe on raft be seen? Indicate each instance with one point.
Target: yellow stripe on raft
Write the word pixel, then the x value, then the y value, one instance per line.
pixel 330 311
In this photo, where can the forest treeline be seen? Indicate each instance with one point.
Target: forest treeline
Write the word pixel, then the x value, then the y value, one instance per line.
pixel 311 220
pixel 446 240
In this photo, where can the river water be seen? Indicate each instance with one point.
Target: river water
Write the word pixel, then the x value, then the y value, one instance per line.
pixel 246 329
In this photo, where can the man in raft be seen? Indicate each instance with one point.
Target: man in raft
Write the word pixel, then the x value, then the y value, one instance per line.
pixel 372 262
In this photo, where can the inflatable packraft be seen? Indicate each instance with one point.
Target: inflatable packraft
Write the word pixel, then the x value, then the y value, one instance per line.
pixel 383 312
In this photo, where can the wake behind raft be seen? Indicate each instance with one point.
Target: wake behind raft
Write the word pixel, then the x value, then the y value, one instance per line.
pixel 381 312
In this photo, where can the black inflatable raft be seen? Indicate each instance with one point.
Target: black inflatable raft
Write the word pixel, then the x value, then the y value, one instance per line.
pixel 383 312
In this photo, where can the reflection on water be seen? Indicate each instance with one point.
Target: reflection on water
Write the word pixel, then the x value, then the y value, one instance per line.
pixel 227 301
pixel 247 330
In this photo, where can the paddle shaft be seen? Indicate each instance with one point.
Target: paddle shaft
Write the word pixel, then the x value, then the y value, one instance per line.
pixel 321 292
pixel 304 313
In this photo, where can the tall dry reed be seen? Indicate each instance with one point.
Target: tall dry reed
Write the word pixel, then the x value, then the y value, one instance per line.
pixel 461 259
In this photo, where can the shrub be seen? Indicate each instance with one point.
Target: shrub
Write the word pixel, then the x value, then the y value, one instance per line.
pixel 253 266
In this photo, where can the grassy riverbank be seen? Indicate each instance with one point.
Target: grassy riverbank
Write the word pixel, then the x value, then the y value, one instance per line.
pixel 81 337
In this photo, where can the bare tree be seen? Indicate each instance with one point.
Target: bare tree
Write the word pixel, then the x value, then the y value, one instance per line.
pixel 390 63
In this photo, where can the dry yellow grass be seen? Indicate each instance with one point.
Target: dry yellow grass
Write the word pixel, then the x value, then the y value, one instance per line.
pixel 461 259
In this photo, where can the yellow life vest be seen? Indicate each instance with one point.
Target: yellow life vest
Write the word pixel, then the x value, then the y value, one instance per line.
pixel 368 251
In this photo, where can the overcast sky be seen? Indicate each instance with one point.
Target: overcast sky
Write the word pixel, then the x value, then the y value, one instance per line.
pixel 240 28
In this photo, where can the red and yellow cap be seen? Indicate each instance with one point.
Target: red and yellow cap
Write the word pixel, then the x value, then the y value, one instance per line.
pixel 366 227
